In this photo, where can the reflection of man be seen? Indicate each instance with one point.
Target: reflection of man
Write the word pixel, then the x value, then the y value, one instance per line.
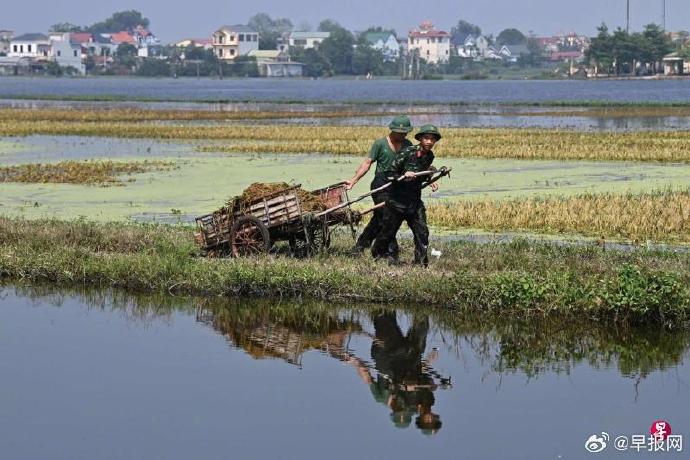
pixel 402 383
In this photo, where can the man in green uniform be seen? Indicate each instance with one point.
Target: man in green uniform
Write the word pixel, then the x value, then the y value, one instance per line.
pixel 383 151
pixel 405 201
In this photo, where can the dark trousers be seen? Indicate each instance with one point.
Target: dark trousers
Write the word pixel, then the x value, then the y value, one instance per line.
pixel 392 220
pixel 373 228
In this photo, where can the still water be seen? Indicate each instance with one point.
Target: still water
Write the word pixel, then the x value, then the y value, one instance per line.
pixel 444 91
pixel 104 375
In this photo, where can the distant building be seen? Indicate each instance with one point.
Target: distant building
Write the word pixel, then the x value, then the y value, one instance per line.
pixel 33 45
pixel 674 64
pixel 432 45
pixel 15 65
pixel 66 52
pixel 229 42
pixel 385 42
pixel 275 63
pixel 511 53
pixel 307 40
pixel 205 43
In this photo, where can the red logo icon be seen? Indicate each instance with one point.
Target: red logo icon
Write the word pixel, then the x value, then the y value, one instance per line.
pixel 660 430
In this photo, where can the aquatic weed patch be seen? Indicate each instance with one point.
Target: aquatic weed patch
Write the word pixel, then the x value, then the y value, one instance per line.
pixel 102 173
pixel 662 215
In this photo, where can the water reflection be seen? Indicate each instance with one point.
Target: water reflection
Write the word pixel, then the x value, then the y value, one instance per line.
pixel 405 358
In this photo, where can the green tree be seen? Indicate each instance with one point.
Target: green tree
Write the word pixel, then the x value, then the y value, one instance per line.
pixel 657 42
pixel 64 27
pixel 366 59
pixel 599 53
pixel 338 50
pixel 154 68
pixel 315 63
pixel 122 20
pixel 269 29
pixel 329 25
pixel 511 37
pixel 461 30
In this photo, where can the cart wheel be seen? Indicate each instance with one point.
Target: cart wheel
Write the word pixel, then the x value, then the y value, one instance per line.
pixel 249 237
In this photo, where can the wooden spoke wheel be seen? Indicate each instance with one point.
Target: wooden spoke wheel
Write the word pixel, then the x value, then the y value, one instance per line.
pixel 249 237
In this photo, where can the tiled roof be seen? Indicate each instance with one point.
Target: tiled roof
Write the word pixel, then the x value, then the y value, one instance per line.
pixel 80 37
pixel 238 28
pixel 31 38
pixel 305 35
pixel 122 37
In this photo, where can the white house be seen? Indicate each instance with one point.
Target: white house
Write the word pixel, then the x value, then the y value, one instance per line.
pixel 432 45
pixel 385 42
pixel 229 42
pixel 32 45
pixel 66 52
pixel 307 40
pixel 275 63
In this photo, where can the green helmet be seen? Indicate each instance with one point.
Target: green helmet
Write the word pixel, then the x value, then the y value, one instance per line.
pixel 400 124
pixel 428 129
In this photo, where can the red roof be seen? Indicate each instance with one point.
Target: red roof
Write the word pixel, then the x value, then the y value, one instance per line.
pixel 80 37
pixel 122 37
pixel 428 33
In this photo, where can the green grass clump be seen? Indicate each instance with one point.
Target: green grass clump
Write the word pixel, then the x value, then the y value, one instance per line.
pixel 515 279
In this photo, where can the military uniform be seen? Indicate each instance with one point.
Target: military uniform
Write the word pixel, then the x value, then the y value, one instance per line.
pixel 382 153
pixel 405 201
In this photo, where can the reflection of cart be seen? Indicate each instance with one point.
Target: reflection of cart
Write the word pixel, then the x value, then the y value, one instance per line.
pixel 246 228
pixel 252 227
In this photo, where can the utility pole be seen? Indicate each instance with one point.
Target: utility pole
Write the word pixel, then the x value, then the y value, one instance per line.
pixel 663 2
pixel 627 17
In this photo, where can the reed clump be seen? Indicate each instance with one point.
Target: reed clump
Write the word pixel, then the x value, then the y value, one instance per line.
pixel 662 215
pixel 103 173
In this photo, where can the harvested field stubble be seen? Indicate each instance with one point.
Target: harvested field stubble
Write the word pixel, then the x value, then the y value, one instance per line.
pixel 659 215
pixel 79 172
pixel 553 144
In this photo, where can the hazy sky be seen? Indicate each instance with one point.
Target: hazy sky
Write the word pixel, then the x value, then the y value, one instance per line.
pixel 174 19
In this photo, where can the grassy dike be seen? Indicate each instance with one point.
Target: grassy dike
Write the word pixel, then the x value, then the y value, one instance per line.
pixel 517 279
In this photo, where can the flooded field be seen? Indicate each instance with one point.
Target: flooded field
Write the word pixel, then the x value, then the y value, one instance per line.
pixel 105 375
pixel 204 181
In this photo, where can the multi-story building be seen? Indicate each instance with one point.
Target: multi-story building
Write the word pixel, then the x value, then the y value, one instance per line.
pixel 33 45
pixel 432 45
pixel 66 51
pixel 307 40
pixel 229 42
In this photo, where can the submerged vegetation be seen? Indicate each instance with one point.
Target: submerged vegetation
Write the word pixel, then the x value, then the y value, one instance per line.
pixel 551 144
pixel 662 215
pixel 79 172
pixel 508 279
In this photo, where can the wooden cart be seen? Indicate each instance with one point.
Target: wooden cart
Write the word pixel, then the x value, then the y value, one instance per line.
pixel 246 228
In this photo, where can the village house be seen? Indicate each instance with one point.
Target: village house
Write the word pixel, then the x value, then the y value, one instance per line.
pixel 275 63
pixel 432 45
pixel 148 45
pixel 675 64
pixel 477 48
pixel 385 42
pixel 67 52
pixel 229 42
pixel 307 40
pixel 32 45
